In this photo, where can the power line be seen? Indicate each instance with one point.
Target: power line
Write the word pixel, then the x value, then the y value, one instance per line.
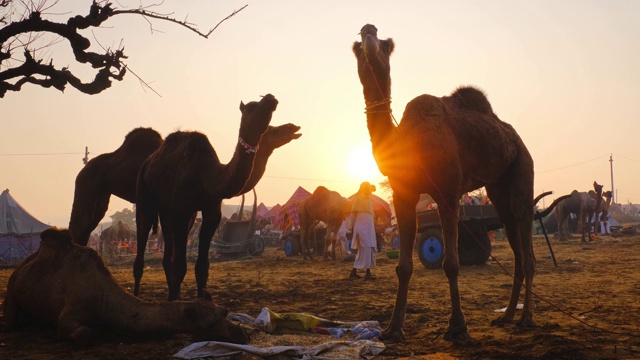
pixel 626 158
pixel 568 166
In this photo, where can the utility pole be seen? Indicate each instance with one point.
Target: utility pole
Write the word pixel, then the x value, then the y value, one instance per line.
pixel 85 159
pixel 611 170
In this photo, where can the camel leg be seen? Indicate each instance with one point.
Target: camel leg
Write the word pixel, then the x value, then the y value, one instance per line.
pixel 69 325
pixel 406 215
pixel 305 237
pixel 144 221
pixel 448 208
pixel 178 261
pixel 85 219
pixel 210 222
pixel 514 206
pixel 330 241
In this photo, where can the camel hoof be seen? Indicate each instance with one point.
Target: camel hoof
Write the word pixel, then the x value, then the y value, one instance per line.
pixel 526 323
pixel 390 334
pixel 501 321
pixel 458 334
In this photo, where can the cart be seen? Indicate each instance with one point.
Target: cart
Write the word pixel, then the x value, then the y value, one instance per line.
pixel 474 245
pixel 240 237
pixel 292 246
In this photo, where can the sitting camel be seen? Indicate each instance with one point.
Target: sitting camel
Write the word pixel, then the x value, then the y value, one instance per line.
pixel 323 205
pixel 197 182
pixel 445 147
pixel 115 173
pixel 68 285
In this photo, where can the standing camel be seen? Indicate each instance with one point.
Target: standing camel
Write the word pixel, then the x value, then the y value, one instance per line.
pixel 116 173
pixel 445 147
pixel 109 174
pixel 583 205
pixel 324 205
pixel 603 212
pixel 185 176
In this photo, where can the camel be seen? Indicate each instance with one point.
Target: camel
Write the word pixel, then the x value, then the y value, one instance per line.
pixel 110 236
pixel 68 286
pixel 106 174
pixel 116 173
pixel 324 205
pixel 185 176
pixel 445 147
pixel 583 205
pixel 603 211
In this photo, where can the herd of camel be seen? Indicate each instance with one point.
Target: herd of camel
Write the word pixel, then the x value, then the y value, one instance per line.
pixel 592 212
pixel 443 146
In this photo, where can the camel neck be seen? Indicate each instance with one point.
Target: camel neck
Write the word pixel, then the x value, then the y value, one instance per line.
pixel 382 132
pixel 259 167
pixel 236 173
pixel 138 316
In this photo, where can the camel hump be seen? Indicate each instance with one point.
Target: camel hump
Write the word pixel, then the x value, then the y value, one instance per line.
pixel 141 139
pixel 320 189
pixel 142 132
pixel 472 99
pixel 54 239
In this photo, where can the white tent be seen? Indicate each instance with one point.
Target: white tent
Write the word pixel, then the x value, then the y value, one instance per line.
pixel 19 231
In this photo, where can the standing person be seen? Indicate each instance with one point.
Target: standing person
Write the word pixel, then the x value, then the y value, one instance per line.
pixel 342 235
pixel 364 233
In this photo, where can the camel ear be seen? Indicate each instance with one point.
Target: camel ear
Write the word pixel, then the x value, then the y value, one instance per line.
pixel 241 107
pixel 357 48
pixel 387 46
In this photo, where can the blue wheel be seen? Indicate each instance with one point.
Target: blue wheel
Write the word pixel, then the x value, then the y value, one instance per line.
pixel 430 248
pixel 291 246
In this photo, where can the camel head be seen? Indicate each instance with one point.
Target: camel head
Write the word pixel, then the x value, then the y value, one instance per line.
pixel 277 136
pixel 208 321
pixel 374 68
pixel 597 187
pixel 256 117
pixel 607 195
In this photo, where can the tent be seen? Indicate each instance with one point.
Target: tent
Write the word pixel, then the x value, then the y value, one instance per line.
pixel 272 214
pixel 19 231
pixel 288 214
pixel 261 210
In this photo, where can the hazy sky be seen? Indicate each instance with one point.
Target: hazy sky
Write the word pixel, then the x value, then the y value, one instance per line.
pixel 564 73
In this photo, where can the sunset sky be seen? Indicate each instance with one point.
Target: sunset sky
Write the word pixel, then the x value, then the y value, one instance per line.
pixel 564 73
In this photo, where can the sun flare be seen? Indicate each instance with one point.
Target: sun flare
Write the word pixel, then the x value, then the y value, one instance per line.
pixel 362 165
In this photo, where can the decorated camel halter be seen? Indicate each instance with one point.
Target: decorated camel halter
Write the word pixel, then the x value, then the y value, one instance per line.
pixel 248 148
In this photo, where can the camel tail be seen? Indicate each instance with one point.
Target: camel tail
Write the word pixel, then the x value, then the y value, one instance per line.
pixel 548 210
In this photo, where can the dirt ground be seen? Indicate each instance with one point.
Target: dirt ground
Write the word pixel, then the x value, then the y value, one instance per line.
pixel 588 307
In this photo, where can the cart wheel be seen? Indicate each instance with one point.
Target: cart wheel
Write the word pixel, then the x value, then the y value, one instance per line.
pixel 395 242
pixel 430 248
pixel 291 246
pixel 258 245
pixel 474 247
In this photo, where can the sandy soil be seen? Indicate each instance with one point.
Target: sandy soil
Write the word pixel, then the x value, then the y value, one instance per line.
pixel 588 307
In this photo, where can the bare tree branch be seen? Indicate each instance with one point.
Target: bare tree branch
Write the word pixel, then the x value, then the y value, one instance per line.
pixel 109 65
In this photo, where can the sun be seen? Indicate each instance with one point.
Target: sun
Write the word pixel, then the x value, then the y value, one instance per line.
pixel 362 165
